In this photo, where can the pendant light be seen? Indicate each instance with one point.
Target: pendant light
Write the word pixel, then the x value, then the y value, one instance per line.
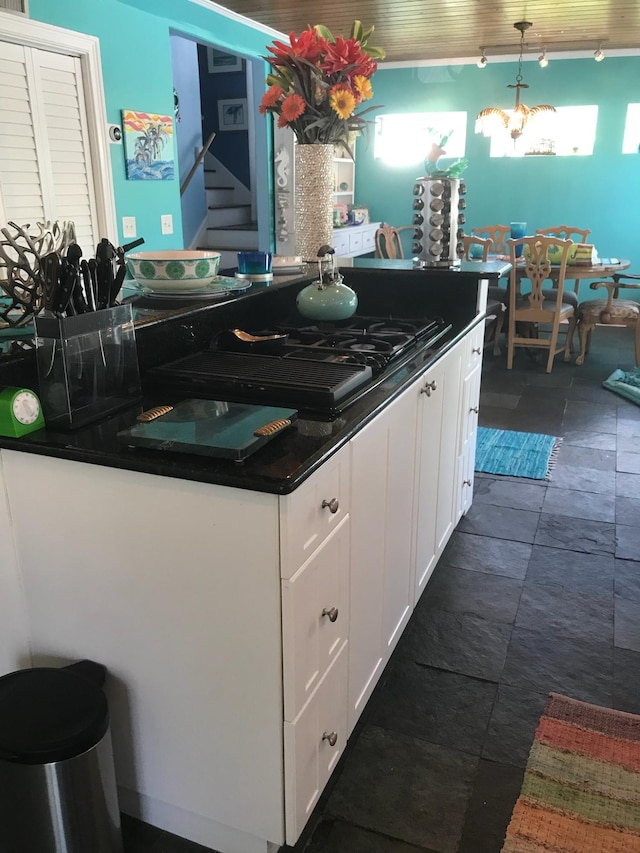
pixel 492 118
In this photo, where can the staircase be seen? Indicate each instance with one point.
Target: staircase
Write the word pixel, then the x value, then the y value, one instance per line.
pixel 230 227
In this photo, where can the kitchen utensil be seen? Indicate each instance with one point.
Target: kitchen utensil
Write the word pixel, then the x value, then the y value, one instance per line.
pixel 211 428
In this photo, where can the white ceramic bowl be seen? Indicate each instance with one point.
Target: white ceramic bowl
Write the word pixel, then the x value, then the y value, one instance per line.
pixel 174 270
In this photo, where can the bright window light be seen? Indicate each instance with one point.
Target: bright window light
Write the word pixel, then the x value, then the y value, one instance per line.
pixel 569 132
pixel 631 139
pixel 404 139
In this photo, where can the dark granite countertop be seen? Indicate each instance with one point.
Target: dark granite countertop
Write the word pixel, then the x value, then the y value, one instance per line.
pixel 384 288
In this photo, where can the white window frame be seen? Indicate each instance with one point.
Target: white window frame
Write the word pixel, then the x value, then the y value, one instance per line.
pixel 34 34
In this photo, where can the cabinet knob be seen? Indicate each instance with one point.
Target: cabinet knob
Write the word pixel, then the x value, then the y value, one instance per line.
pixel 477 350
pixel 332 613
pixel 466 482
pixel 474 409
pixel 428 388
pixel 333 505
pixel 332 737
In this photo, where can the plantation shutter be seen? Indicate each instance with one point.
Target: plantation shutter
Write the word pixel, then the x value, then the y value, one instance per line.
pixel 45 164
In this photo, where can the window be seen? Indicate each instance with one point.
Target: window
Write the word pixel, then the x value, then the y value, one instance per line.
pixel 404 139
pixel 570 131
pixel 631 140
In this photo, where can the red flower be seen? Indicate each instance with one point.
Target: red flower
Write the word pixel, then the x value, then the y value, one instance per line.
pixel 347 54
pixel 292 108
pixel 270 98
pixel 309 45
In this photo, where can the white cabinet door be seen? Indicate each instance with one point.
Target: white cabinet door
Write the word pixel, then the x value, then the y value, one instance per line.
pixel 472 362
pixel 315 509
pixel 382 472
pixel 313 743
pixel 437 455
pixel 315 618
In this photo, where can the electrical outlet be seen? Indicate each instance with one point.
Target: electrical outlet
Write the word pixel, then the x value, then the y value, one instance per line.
pixel 166 223
pixel 128 226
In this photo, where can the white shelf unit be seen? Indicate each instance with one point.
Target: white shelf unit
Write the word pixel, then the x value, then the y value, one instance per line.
pixel 344 173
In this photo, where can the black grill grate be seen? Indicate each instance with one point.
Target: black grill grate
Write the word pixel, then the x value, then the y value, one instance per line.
pixel 264 377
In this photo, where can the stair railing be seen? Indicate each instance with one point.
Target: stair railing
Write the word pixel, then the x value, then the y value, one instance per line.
pixel 199 160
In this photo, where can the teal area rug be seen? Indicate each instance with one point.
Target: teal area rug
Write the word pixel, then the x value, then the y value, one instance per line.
pixel 517 454
pixel 626 383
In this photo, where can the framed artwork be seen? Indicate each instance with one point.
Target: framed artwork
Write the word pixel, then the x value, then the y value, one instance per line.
pixel 148 146
pixel 219 62
pixel 232 114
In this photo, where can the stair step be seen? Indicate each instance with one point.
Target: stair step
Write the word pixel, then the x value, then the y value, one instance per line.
pixel 229 207
pixel 246 226
pixel 229 216
pixel 233 238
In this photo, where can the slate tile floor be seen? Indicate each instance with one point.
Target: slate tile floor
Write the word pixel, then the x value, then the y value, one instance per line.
pixel 538 591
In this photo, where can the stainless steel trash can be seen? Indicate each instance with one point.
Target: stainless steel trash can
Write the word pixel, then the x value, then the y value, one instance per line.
pixel 57 781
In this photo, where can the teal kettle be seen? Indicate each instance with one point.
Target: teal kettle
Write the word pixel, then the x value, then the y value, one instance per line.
pixel 327 298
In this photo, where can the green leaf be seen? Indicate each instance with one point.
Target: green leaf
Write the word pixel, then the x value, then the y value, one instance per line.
pixel 325 33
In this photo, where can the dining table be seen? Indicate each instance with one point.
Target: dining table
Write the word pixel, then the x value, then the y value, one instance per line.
pixel 605 268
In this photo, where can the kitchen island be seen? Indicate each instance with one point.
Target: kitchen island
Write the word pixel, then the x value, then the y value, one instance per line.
pixel 245 611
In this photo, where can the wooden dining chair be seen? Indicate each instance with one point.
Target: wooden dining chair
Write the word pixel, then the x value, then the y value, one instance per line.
pixel 611 311
pixel 470 240
pixel 388 242
pixel 497 296
pixel 529 311
pixel 497 234
pixel 567 232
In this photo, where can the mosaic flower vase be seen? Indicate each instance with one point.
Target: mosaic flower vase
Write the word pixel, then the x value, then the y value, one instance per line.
pixel 314 199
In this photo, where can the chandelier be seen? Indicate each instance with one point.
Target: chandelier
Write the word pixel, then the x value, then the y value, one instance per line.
pixel 491 118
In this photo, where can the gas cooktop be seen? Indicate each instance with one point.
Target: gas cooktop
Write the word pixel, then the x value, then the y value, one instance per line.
pixel 321 367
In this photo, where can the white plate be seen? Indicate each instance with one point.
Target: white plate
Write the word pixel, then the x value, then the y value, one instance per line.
pixel 218 287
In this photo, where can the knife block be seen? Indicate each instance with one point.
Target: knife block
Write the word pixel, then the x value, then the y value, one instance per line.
pixel 87 366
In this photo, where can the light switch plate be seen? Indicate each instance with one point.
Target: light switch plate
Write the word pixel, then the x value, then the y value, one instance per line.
pixel 128 226
pixel 166 223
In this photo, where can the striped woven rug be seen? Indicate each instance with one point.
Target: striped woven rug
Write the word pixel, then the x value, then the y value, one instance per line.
pixel 581 788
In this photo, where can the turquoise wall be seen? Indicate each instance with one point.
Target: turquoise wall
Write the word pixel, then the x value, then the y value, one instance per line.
pixel 136 65
pixel 599 192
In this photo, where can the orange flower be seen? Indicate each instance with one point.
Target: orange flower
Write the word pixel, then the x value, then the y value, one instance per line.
pixel 292 108
pixel 363 87
pixel 342 101
pixel 270 98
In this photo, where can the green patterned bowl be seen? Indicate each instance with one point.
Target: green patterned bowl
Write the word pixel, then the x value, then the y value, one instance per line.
pixel 174 270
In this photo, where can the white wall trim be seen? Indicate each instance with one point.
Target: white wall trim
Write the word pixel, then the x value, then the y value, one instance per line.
pixel 37 35
pixel 241 19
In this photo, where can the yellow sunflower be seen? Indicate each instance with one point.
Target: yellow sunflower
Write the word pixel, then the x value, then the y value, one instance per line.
pixel 342 101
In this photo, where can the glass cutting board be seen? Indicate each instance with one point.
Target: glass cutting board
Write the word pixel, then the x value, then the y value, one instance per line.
pixel 211 428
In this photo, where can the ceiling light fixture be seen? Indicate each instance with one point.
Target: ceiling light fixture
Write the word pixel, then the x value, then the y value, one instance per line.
pixel 542 59
pixel 515 122
pixel 599 55
pixel 482 62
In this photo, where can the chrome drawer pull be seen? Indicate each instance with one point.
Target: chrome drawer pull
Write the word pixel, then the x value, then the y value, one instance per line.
pixel 333 505
pixel 428 388
pixel 332 614
pixel 477 350
pixel 474 409
pixel 466 482
pixel 332 737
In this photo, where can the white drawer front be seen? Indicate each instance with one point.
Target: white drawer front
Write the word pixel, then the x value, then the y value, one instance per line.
pixel 341 243
pixel 309 756
pixel 315 618
pixel 476 340
pixel 355 242
pixel 310 513
pixel 369 240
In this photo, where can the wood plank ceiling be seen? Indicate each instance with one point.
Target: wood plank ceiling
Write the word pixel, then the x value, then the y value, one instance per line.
pixel 414 30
